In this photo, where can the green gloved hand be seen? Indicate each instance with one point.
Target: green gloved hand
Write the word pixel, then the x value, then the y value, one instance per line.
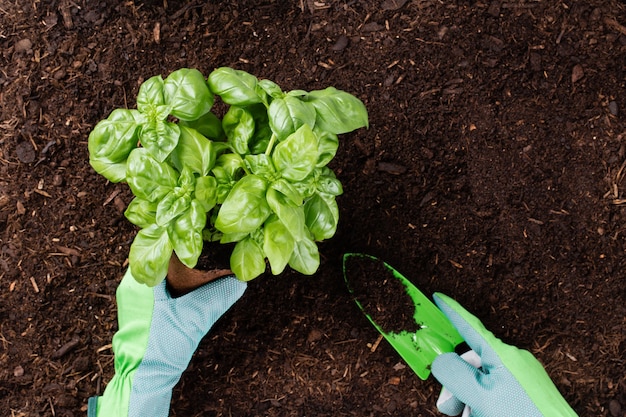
pixel 156 339
pixel 510 382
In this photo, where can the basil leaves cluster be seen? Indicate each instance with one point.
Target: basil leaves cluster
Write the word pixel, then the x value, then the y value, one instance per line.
pixel 256 177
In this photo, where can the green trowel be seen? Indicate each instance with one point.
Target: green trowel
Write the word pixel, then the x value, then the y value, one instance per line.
pixel 434 335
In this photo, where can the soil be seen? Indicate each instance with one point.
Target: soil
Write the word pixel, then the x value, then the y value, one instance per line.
pixel 380 293
pixel 492 171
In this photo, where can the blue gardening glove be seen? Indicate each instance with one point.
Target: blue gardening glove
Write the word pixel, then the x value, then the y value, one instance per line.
pixel 157 336
pixel 510 382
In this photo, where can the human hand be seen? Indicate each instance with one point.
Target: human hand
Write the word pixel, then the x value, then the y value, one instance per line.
pixel 157 337
pixel 510 381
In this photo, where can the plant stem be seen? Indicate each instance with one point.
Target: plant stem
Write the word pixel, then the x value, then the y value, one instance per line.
pixel 270 145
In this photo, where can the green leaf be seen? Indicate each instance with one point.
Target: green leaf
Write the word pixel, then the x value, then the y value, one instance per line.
pixel 307 186
pixel 160 137
pixel 297 93
pixel 186 234
pixel 327 147
pixel 223 190
pixel 278 244
pixel 187 94
pixel 206 192
pixel 245 208
pixel 194 151
pixel 271 88
pixel 141 212
pixel 327 183
pixel 186 181
pixel 149 255
pixel 233 237
pixel 262 131
pixel 296 156
pixel 230 166
pixel 238 125
pixel 337 111
pixel 148 178
pixel 208 125
pixel 260 165
pixel 236 87
pixel 150 94
pixel 111 141
pixel 322 216
pixel 227 170
pixel 290 214
pixel 288 114
pixel 171 206
pixel 114 172
pixel 247 260
pixel 289 190
pixel 305 257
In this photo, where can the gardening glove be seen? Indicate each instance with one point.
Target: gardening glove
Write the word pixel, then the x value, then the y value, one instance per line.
pixel 157 336
pixel 510 381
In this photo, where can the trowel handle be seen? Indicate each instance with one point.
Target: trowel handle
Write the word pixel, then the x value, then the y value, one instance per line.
pixel 473 359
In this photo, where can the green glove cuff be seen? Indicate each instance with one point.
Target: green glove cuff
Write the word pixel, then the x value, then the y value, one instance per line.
pixel 135 303
pixel 520 372
pixel 157 337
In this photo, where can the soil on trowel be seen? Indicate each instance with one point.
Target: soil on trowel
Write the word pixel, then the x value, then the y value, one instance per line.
pixel 381 294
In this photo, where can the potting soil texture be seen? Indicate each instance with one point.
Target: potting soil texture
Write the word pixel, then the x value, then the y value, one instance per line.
pixel 381 294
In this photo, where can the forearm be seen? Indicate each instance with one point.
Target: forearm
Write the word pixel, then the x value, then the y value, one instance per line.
pixel 157 337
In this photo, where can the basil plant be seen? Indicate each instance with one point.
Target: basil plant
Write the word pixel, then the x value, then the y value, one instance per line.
pixel 255 176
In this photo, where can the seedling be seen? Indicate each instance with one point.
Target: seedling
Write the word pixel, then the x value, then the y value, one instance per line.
pixel 256 177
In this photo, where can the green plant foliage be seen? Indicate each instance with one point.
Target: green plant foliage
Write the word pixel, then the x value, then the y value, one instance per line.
pixel 257 177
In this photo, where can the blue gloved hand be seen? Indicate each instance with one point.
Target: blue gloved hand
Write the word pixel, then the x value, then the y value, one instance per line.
pixel 156 339
pixel 510 382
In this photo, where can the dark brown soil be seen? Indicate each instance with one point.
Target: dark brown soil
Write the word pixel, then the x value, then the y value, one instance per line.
pixel 493 171
pixel 380 294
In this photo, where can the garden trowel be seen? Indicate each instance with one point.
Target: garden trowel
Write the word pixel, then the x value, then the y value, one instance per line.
pixel 434 335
